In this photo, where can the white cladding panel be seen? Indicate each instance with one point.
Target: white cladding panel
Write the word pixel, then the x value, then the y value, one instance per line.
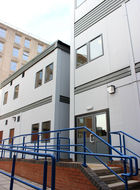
pixel 116 43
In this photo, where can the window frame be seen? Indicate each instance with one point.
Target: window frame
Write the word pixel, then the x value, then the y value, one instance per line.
pixel 36 86
pixel 102 48
pixel 5 98
pixel 4 33
pixel 24 55
pixel 16 41
pixel 34 136
pixel 26 44
pixel 1 137
pixel 45 81
pixel 42 138
pixel 86 44
pixel 16 51
pixel 15 93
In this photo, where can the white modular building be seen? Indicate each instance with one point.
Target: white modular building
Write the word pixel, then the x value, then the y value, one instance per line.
pixel 36 97
pixel 105 71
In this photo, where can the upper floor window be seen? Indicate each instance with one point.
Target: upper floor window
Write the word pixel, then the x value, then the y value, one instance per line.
pixel 81 56
pixel 96 48
pixel 15 52
pixel 27 43
pixel 13 66
pixel 40 48
pixel 35 129
pixel 1 46
pixel 45 128
pixel 79 2
pixel 38 80
pixel 25 55
pixel 49 73
pixel 5 98
pixel 17 39
pixel 2 33
pixel 16 91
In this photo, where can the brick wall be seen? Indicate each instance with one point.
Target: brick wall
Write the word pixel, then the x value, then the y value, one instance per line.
pixel 68 175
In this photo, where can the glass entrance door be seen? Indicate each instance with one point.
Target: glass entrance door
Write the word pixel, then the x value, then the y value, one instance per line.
pixel 97 123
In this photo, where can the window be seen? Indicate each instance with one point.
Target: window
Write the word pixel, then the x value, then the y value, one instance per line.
pixel 17 39
pixel 16 91
pixel 25 55
pixel 38 80
pixel 13 66
pixel 49 73
pixel 23 74
pixel 79 2
pixel 27 43
pixel 1 136
pixel 2 33
pixel 11 135
pixel 40 48
pixel 1 46
pixel 96 48
pixel 11 83
pixel 6 122
pixel 5 98
pixel 18 119
pixel 35 129
pixel 15 52
pixel 45 128
pixel 81 56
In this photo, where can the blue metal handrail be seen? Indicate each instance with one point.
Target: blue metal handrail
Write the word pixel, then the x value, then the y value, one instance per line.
pixel 44 171
pixel 58 148
pixel 122 142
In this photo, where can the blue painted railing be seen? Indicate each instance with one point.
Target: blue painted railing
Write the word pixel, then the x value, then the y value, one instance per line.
pixel 12 176
pixel 57 147
pixel 122 142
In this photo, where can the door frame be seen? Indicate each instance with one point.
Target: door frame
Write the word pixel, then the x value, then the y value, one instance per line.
pixel 92 113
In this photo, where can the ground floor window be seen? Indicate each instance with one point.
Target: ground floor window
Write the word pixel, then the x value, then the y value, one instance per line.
pixel 1 136
pixel 45 128
pixel 11 135
pixel 35 129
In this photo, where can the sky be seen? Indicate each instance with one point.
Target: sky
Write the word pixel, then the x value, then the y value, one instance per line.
pixel 48 20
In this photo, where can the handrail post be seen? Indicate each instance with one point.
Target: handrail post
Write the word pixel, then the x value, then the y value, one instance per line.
pixel 69 148
pixel 23 144
pixel 45 175
pixel 125 171
pixel 11 147
pixel 124 146
pixel 120 139
pixel 110 149
pixel 53 174
pixel 37 146
pixel 84 146
pixel 13 172
pixel 2 149
pixel 58 148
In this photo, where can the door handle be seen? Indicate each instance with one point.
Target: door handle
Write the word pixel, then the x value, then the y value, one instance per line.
pixel 92 139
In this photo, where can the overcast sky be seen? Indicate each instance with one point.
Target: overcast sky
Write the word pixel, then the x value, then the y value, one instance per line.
pixel 47 19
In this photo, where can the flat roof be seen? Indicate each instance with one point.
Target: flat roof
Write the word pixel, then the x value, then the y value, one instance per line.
pixel 55 45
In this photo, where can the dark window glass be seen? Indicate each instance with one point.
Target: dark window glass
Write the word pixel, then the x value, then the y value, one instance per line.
pixel 49 73
pixel 38 80
pixel 1 136
pixel 45 128
pixel 16 92
pixel 5 98
pixel 11 135
pixel 35 129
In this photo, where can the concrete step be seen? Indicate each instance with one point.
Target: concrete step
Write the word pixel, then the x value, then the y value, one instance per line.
pixel 132 184
pixel 105 171
pixel 110 178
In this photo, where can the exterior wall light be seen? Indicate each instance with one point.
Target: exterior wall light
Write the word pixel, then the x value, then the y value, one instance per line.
pixel 111 89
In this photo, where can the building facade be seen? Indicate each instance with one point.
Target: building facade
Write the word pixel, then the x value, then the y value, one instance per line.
pixel 36 97
pixel 105 70
pixel 16 49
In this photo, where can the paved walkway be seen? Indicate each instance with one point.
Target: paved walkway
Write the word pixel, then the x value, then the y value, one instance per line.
pixel 5 184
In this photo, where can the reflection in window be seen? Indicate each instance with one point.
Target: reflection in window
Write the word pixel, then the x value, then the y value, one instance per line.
pixel 1 46
pixel 35 129
pixel 2 33
pixel 84 121
pixel 101 125
pixel 79 2
pixel 27 43
pixel 5 98
pixel 16 91
pixel 96 48
pixel 40 48
pixel 15 52
pixel 45 128
pixel 25 55
pixel 17 39
pixel 81 56
pixel 49 73
pixel 38 80
pixel 13 66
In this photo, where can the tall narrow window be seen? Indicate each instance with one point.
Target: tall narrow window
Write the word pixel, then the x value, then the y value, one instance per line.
pixel 11 135
pixel 2 33
pixel 1 136
pixel 16 91
pixel 96 48
pixel 1 46
pixel 27 43
pixel 17 39
pixel 15 52
pixel 49 73
pixel 5 98
pixel 35 129
pixel 25 55
pixel 38 80
pixel 40 48
pixel 13 66
pixel 81 56
pixel 45 128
